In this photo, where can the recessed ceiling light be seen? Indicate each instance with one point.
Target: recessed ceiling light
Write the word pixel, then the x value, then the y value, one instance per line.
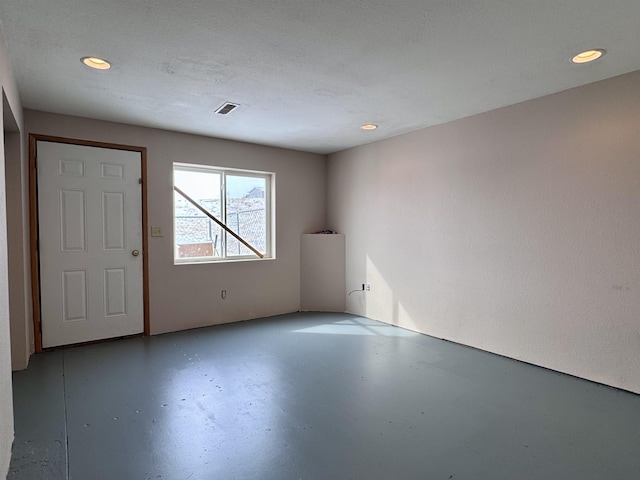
pixel 95 62
pixel 588 56
pixel 369 126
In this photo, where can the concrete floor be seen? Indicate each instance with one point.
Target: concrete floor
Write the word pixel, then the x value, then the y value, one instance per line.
pixel 315 397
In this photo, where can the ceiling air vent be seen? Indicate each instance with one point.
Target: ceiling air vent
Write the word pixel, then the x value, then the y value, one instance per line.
pixel 227 108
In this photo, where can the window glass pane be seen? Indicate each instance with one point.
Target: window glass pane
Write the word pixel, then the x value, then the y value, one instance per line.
pixel 195 234
pixel 246 213
pixel 239 199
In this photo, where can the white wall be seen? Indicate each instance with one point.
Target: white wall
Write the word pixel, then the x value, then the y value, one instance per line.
pixel 20 306
pixel 6 402
pixel 12 103
pixel 187 296
pixel 516 231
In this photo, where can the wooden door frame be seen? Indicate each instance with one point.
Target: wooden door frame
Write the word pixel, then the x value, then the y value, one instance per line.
pixel 34 225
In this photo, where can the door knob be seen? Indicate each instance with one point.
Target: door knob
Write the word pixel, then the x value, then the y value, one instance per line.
pixel 135 253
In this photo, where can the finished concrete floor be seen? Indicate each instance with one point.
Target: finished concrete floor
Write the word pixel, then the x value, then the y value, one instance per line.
pixel 315 397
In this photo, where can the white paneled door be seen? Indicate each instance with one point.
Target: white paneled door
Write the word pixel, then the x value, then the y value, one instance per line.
pixel 90 243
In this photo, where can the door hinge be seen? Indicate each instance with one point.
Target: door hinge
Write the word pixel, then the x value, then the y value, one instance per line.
pixel 140 181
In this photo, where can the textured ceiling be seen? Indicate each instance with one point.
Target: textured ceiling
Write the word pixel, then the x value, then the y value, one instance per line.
pixel 308 73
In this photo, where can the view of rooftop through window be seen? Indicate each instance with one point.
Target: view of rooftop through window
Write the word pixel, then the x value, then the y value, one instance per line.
pixel 239 199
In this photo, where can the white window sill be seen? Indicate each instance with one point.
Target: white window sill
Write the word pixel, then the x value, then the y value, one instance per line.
pixel 223 260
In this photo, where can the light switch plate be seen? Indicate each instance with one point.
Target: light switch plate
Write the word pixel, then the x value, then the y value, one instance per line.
pixel 156 231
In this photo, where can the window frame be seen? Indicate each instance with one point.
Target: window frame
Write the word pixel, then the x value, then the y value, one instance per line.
pixel 269 196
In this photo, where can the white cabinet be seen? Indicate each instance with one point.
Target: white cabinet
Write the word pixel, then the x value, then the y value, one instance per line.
pixel 322 273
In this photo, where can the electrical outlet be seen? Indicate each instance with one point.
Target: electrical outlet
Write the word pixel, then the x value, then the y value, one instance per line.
pixel 367 287
pixel 156 231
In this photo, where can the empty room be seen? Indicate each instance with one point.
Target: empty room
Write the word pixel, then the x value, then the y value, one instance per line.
pixel 288 240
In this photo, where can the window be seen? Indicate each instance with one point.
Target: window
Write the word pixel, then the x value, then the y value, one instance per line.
pixel 240 200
